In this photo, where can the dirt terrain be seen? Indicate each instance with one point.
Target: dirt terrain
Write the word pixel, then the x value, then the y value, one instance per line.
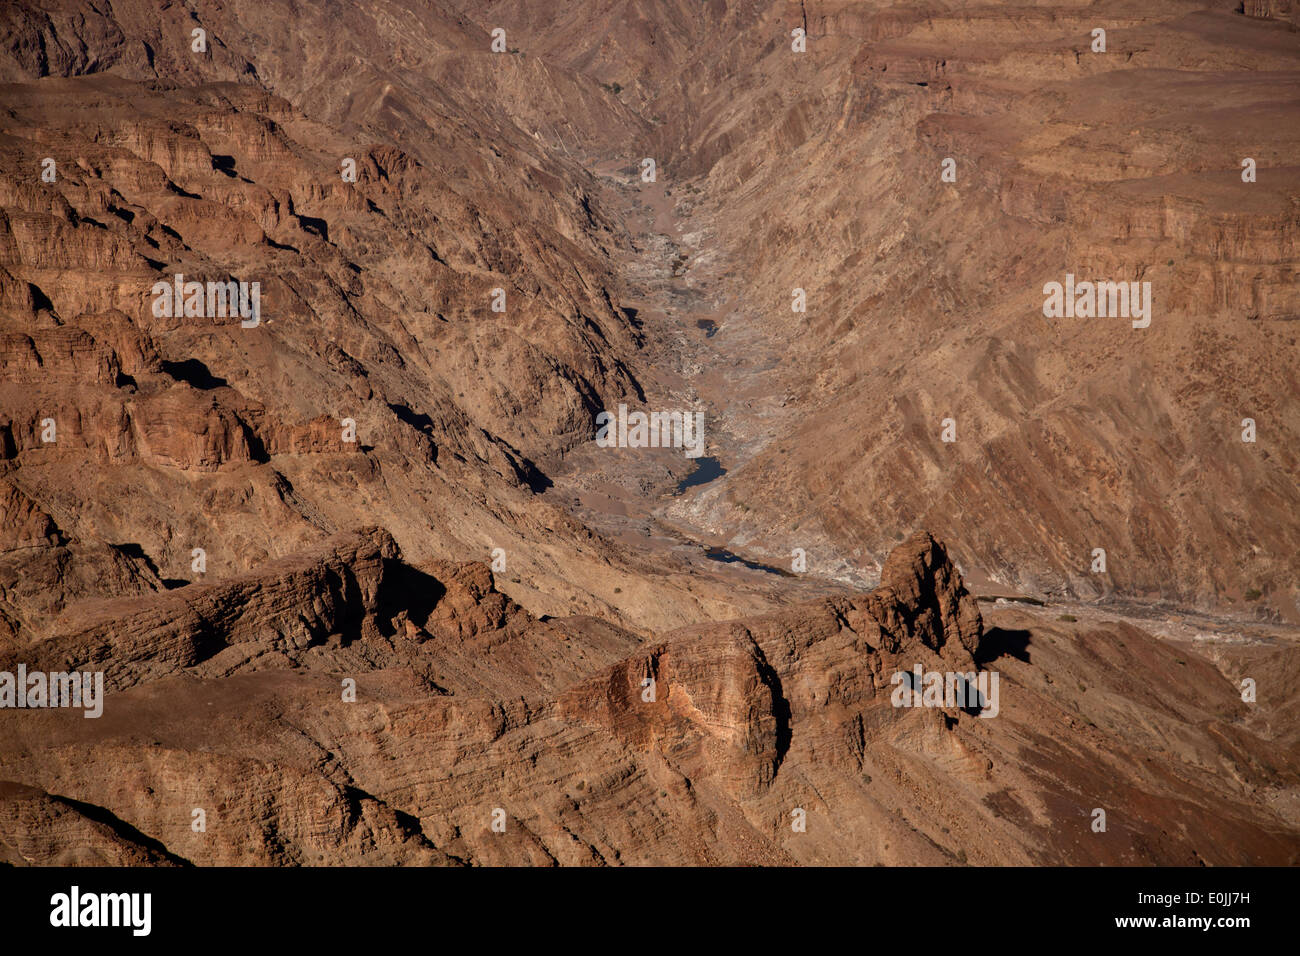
pixel 387 481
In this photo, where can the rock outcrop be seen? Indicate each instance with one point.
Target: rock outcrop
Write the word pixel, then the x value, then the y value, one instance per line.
pixel 460 261
pixel 593 745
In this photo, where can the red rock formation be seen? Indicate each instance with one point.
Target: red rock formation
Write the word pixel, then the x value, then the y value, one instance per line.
pixel 239 682
pixel 176 490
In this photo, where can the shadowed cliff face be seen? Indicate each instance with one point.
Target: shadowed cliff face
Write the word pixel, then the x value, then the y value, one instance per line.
pixel 459 264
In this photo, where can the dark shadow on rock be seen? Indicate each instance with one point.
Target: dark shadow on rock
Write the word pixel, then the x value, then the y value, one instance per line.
pixel 121 828
pixel 1000 642
pixel 421 423
pixel 418 421
pixel 345 596
pixel 256 446
pixel 136 552
pixel 526 472
pixel 39 299
pixel 193 373
pixel 316 226
pixel 406 589
pixel 537 482
pixel 969 698
pixel 780 706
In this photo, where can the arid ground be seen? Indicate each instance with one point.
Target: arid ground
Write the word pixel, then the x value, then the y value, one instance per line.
pixel 364 584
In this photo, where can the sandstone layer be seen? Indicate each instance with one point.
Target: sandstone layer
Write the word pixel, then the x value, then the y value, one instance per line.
pixel 460 263
pixel 468 711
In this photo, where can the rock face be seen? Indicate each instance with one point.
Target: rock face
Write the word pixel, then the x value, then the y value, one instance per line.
pixel 594 745
pixel 379 384
pixel 59 832
pixel 936 167
pixel 925 297
pixel 477 171
pixel 283 610
pixel 459 261
pixel 921 598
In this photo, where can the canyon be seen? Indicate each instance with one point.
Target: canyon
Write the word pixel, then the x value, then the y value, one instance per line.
pixel 388 481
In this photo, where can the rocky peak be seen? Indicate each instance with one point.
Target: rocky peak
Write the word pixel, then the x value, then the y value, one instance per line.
pixel 922 597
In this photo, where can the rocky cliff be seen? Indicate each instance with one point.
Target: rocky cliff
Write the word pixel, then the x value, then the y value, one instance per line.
pixel 480 735
pixel 458 260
